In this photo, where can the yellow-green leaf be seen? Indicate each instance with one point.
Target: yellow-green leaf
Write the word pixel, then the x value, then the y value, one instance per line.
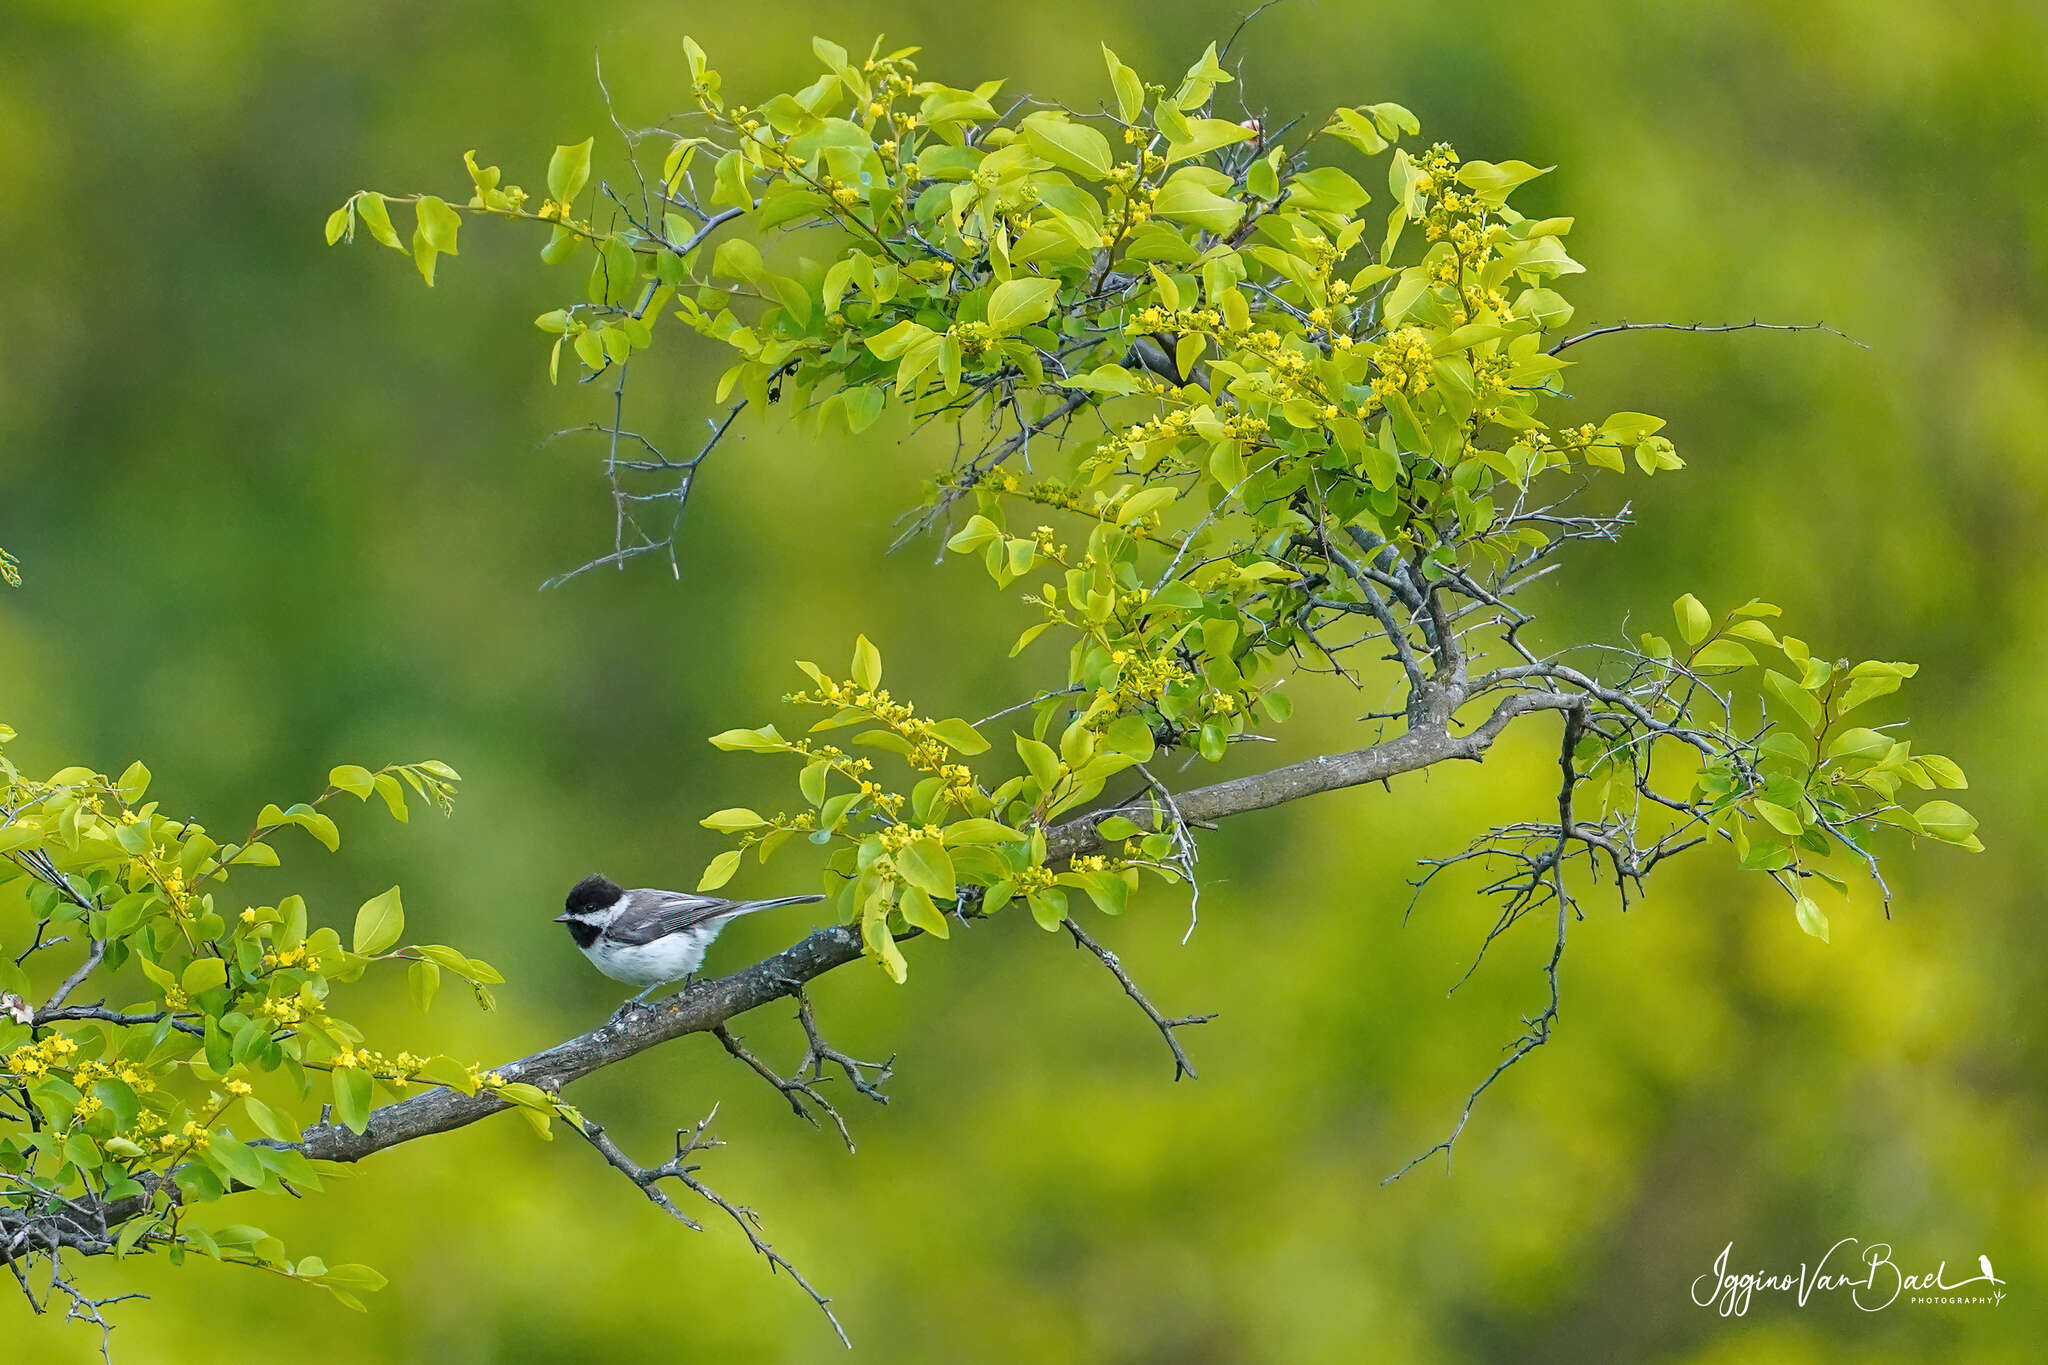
pixel 569 170
pixel 719 871
pixel 379 923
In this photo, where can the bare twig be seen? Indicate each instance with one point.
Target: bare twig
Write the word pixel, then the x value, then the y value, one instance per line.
pixel 679 1168
pixel 867 1078
pixel 1751 326
pixel 1166 1026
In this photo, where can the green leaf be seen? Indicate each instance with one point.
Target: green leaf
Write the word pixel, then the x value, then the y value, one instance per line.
pixel 920 913
pixel 766 740
pixel 357 782
pixel 1860 744
pixel 719 870
pixel 732 820
pixel 1069 145
pixel 1871 680
pixel 1118 827
pixel 1043 763
pixel 1189 196
pixel 891 958
pixel 867 664
pixel 1492 182
pixel 1049 908
pixel 133 783
pixel 1327 188
pixel 1947 821
pixel 891 344
pixel 1108 890
pixel 1131 735
pixel 237 1160
pixel 1724 653
pixel 1545 307
pixel 204 974
pixel 959 736
pixel 268 1121
pixel 1778 817
pixel 979 831
pixel 1944 771
pixel 569 170
pixel 1795 698
pixel 353 1277
pixel 1205 135
pixel 379 923
pixel 351 1097
pixel 978 532
pixel 438 223
pixel 1130 91
pixel 1020 302
pixel 424 979
pixel 925 864
pixel 370 208
pixel 1693 620
pixel 1811 919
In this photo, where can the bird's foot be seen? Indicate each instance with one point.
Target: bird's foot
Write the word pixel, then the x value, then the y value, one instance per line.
pixel 626 1011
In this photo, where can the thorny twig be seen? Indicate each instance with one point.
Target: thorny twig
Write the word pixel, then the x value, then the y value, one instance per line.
pixel 679 1168
pixel 801 1085
pixel 1167 1026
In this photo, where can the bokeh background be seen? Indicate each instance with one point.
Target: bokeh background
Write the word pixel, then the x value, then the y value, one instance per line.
pixel 281 507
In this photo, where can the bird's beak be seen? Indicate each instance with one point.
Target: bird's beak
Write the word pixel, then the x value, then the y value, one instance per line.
pixel 562 919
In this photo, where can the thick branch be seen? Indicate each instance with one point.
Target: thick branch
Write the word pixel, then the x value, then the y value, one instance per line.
pixel 708 1005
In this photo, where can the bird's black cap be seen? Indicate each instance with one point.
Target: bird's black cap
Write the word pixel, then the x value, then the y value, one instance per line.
pixel 592 893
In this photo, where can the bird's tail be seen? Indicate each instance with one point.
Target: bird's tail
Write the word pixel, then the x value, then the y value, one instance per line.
pixel 749 907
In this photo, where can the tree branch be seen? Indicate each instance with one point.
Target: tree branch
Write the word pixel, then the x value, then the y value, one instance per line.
pixel 705 1007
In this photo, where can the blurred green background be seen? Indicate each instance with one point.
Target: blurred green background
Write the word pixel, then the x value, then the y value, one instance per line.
pixel 281 507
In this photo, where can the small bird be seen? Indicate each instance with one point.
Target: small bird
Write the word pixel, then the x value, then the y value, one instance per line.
pixel 647 937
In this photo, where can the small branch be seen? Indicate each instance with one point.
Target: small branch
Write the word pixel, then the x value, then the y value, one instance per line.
pixel 76 979
pixel 1750 326
pixel 679 1168
pixel 979 467
pixel 798 1087
pixel 1535 1031
pixel 1181 1065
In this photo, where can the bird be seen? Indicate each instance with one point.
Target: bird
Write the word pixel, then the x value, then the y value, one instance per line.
pixel 1985 1262
pixel 648 937
pixel 1160 354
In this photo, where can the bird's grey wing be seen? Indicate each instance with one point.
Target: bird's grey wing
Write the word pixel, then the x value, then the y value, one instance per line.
pixel 649 914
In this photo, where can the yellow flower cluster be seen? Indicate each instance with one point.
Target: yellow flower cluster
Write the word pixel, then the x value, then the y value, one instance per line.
pixel 1405 363
pixel 36 1059
pixel 1490 387
pixel 1174 320
pixel 927 752
pixel 377 1064
pixel 974 337
pixel 896 838
pixel 959 780
pixel 292 957
pixel 1032 879
pixel 1437 180
pixel 127 1073
pixel 1140 681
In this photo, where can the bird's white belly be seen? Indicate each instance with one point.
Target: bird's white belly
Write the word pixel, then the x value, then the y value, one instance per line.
pixel 649 964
